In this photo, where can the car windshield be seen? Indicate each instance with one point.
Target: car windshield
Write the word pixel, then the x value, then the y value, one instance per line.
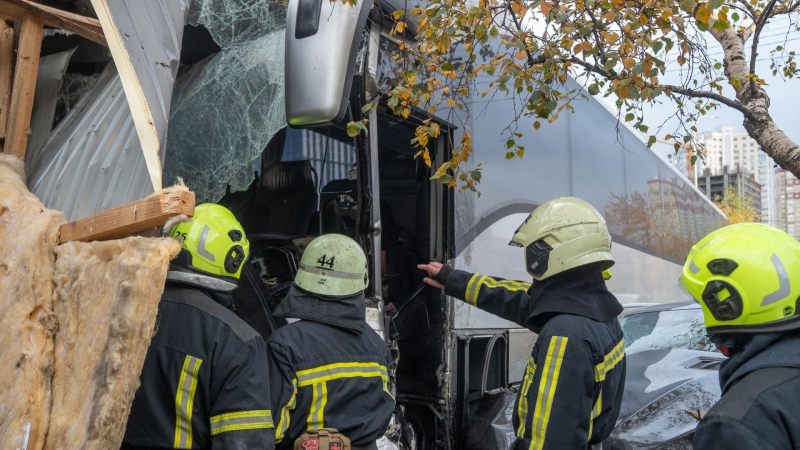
pixel 650 330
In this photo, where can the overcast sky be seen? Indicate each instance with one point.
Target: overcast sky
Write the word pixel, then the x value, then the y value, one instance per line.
pixel 784 94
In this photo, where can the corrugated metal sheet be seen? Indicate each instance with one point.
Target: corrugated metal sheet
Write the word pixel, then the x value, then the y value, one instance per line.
pixel 144 37
pixel 48 83
pixel 93 160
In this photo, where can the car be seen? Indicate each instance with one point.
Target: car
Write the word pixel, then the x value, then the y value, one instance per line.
pixel 672 377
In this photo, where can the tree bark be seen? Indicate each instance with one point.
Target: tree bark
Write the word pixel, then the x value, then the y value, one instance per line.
pixel 757 122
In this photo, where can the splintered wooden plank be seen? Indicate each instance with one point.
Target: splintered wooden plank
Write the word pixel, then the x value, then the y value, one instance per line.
pixel 6 71
pixel 131 218
pixel 87 27
pixel 19 113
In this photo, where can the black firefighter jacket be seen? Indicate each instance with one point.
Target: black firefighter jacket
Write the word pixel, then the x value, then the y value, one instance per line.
pixel 760 406
pixel 328 370
pixel 204 382
pixel 572 390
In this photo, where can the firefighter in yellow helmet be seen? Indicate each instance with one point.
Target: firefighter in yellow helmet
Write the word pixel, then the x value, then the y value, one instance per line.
pixel 329 369
pixel 746 277
pixel 572 390
pixel 204 381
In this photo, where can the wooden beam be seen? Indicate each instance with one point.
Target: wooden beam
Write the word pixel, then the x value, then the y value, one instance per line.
pixel 19 113
pixel 128 219
pixel 6 71
pixel 87 27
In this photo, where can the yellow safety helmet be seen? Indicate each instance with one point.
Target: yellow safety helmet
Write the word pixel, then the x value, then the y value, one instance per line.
pixel 562 234
pixel 747 279
pixel 215 240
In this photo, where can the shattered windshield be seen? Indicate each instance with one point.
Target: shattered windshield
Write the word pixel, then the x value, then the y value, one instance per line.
pixel 666 330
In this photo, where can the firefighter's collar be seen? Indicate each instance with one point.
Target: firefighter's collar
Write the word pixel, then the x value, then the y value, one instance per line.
pixel 345 312
pixel 201 281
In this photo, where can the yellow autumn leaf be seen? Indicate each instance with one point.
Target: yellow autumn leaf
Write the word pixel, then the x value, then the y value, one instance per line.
pixel 609 38
pixel 703 14
pixel 400 26
pixel 521 55
pixel 610 16
pixel 451 102
pixel 681 60
pixel 628 62
pixel 546 7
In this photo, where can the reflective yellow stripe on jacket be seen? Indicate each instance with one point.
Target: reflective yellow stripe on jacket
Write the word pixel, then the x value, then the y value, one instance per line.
pixel 547 390
pixel 522 411
pixel 318 378
pixel 477 281
pixel 241 420
pixel 283 423
pixel 184 401
pixel 609 361
pixel 598 406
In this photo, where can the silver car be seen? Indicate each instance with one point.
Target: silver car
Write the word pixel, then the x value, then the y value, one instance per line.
pixel 672 377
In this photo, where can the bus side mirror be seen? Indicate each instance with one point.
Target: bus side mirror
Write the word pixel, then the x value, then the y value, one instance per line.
pixel 322 40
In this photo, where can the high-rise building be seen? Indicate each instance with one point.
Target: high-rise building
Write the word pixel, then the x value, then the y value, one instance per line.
pixel 787 193
pixel 766 175
pixel 716 186
pixel 737 150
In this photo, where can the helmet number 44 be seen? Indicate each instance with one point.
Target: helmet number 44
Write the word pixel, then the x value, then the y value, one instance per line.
pixel 323 261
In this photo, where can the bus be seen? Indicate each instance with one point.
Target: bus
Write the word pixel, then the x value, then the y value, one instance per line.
pixel 313 178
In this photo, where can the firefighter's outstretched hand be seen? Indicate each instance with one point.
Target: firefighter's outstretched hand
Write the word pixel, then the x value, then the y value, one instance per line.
pixel 433 269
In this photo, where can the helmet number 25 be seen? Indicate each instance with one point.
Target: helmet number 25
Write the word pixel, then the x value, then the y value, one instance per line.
pixel 322 261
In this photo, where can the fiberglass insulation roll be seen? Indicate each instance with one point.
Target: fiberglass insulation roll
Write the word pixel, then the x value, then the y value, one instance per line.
pixel 75 323
pixel 106 300
pixel 28 233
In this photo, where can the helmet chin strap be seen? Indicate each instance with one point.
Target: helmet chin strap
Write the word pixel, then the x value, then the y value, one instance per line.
pixel 201 281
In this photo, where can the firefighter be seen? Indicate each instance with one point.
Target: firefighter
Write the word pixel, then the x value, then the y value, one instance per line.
pixel 329 369
pixel 203 383
pixel 747 279
pixel 572 389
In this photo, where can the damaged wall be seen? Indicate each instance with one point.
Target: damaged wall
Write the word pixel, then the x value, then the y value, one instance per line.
pixel 29 233
pixel 107 296
pixel 226 108
pixel 76 323
pixel 92 161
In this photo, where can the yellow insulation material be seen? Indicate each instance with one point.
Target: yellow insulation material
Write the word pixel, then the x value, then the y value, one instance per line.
pixel 28 233
pixel 75 322
pixel 106 300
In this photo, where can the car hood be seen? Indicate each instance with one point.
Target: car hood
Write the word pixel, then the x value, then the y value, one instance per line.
pixel 660 387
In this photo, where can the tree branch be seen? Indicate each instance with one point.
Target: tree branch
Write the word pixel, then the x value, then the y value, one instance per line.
pixel 706 94
pixel 762 20
pixel 519 30
pixel 786 8
pixel 750 10
pixel 594 68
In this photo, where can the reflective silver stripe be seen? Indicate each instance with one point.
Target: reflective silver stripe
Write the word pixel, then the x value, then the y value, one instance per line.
pixel 283 424
pixel 184 402
pixel 243 420
pixel 692 266
pixel 329 372
pixel 315 416
pixel 332 273
pixel 472 298
pixel 547 390
pixel 785 287
pixel 196 279
pixel 201 245
pixel 609 361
